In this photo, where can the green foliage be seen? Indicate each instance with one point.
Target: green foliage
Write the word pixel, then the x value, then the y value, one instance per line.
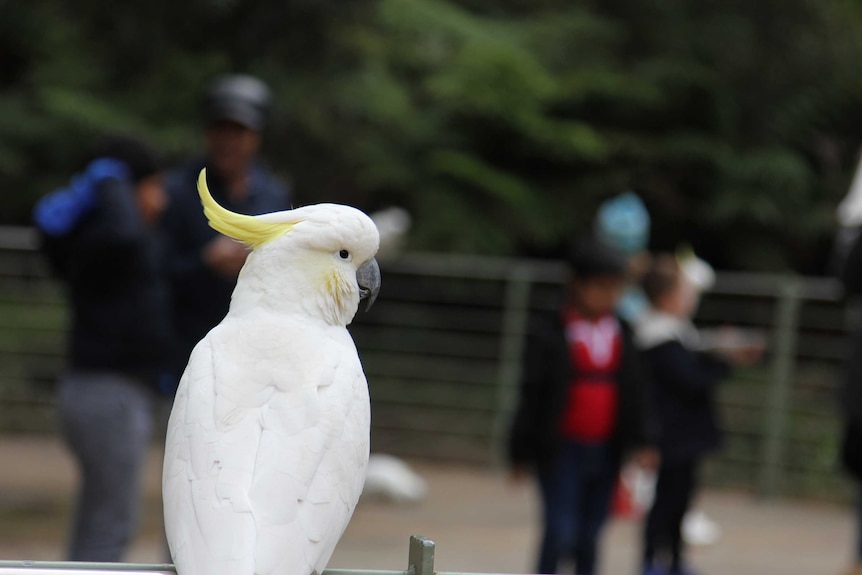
pixel 500 125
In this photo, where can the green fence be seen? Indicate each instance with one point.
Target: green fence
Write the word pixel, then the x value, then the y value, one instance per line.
pixel 442 346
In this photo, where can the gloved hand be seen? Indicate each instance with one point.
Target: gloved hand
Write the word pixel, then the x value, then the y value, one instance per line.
pixel 59 212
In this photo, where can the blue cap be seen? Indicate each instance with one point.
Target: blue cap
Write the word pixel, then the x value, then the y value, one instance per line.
pixel 623 222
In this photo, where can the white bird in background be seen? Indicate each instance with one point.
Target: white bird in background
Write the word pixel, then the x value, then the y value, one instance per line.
pixel 267 442
pixel 389 478
pixel 392 223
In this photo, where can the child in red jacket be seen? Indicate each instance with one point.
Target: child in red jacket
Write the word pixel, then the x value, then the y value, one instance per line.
pixel 582 406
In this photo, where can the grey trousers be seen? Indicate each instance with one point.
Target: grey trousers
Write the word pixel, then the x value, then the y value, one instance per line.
pixel 106 421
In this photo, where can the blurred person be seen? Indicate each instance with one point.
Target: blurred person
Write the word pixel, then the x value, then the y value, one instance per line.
pixel 100 236
pixel 851 394
pixel 685 380
pixel 205 264
pixel 623 223
pixel 582 408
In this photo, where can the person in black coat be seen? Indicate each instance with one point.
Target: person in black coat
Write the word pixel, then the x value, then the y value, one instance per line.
pixel 582 408
pixel 204 264
pixel 99 236
pixel 685 381
pixel 851 392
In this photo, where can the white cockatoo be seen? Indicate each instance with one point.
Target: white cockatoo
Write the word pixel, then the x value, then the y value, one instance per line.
pixel 268 439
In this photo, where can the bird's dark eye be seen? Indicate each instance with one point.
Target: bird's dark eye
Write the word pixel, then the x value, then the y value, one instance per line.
pixel 344 254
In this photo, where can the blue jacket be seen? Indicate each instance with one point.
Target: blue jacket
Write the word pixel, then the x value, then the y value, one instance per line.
pixel 200 296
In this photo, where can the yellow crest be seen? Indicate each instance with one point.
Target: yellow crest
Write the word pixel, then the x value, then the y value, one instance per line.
pixel 246 229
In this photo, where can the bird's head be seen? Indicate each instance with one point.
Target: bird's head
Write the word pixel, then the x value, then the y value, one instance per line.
pixel 316 259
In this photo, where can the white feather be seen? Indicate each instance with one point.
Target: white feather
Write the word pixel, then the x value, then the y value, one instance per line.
pixel 267 442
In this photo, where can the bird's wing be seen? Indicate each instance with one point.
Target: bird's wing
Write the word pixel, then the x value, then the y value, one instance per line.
pixel 207 528
pixel 311 461
pixel 269 461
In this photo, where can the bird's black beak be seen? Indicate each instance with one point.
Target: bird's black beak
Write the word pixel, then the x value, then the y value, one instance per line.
pixel 368 278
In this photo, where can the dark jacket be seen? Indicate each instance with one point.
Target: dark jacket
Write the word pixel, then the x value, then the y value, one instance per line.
pixel 851 388
pixel 850 391
pixel 113 267
pixel 200 296
pixel 547 374
pixel 684 384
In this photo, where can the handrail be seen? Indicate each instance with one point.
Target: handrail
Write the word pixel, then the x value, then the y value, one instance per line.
pixel 420 562
pixel 18 238
pixel 497 268
pixel 81 568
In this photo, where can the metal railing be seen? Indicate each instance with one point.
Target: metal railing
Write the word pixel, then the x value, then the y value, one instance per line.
pixel 442 351
pixel 420 561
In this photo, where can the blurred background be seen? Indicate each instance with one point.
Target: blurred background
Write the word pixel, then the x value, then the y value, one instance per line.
pixel 500 127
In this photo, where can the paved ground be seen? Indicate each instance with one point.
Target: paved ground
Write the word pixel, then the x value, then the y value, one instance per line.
pixel 478 521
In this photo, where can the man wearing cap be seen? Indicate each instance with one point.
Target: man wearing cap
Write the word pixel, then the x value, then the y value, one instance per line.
pixel 205 264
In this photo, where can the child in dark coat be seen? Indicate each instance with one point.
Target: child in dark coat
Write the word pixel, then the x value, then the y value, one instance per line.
pixel 685 380
pixel 582 406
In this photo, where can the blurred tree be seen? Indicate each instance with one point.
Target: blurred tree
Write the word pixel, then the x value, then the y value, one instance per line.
pixel 510 121
pixel 499 124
